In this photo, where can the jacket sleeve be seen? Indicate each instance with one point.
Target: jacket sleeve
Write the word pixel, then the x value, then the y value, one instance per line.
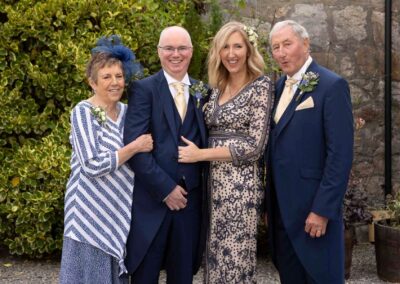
pixel 338 130
pixel 138 122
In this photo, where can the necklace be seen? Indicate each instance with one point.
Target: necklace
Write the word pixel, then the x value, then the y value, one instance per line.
pixel 233 93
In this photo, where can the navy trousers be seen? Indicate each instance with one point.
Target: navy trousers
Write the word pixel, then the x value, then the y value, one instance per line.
pixel 290 269
pixel 175 246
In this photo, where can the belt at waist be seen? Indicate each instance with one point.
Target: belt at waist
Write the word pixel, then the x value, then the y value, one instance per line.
pixel 226 134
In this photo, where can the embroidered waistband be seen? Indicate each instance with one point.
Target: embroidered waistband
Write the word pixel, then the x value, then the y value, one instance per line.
pixel 226 134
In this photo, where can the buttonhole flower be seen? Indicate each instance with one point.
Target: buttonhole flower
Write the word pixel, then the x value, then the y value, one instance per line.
pixel 199 91
pixel 100 115
pixel 308 83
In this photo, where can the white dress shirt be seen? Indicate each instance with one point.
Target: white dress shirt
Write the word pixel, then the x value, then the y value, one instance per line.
pixel 185 81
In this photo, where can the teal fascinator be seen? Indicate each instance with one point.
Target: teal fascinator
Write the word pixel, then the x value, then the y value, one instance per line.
pixel 113 45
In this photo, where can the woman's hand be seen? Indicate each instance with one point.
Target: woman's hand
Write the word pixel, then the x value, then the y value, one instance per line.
pixel 189 153
pixel 144 143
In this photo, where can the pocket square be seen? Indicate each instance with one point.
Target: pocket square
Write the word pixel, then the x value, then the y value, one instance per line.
pixel 308 103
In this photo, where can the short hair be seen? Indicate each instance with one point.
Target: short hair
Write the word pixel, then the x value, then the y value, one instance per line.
pixel 217 73
pixel 298 29
pixel 98 61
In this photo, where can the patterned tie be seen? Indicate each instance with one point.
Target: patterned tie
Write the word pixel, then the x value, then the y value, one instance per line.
pixel 285 99
pixel 180 100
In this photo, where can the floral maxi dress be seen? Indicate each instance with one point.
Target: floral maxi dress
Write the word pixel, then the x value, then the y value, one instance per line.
pixel 236 191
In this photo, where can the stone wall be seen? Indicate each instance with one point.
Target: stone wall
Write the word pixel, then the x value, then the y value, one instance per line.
pixel 348 37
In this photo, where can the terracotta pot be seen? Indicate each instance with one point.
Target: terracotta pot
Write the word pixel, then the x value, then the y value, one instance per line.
pixel 387 251
pixel 348 252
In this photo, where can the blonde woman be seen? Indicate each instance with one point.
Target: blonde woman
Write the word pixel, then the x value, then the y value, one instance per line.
pixel 237 115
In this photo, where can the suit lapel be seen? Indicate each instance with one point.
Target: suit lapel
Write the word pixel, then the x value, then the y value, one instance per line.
pixel 278 93
pixel 165 97
pixel 199 116
pixel 288 114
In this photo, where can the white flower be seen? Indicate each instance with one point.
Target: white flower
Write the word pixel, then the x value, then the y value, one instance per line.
pixel 100 115
pixel 251 34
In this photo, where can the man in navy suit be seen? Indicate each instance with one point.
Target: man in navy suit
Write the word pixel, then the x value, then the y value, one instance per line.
pixel 309 160
pixel 167 198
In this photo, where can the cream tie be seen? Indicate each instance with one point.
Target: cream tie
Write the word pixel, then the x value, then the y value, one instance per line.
pixel 180 100
pixel 285 99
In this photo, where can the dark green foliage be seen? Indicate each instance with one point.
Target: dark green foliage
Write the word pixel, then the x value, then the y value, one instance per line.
pixel 216 18
pixel 44 46
pixel 355 204
pixel 393 206
pixel 198 34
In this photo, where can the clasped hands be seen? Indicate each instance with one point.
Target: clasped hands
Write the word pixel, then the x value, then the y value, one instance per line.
pixel 176 200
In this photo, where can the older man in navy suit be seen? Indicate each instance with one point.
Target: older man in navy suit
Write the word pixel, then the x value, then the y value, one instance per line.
pixel 309 159
pixel 166 211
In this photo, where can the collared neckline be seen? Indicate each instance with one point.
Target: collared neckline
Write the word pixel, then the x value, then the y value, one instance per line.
pixel 171 80
pixel 299 74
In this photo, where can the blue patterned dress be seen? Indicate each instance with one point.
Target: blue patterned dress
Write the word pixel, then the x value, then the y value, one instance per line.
pixel 98 199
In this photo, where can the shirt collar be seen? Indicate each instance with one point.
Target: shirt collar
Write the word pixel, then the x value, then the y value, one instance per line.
pixel 302 70
pixel 171 80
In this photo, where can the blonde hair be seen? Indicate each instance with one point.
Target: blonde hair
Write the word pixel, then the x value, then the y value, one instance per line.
pixel 217 73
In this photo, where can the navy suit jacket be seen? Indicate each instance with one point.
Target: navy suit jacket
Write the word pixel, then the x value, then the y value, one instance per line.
pixel 309 160
pixel 150 111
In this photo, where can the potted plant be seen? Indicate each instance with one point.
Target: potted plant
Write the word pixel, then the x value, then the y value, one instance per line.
pixel 354 214
pixel 387 242
pixel 354 210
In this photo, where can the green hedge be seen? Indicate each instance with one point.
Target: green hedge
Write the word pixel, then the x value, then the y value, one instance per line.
pixel 44 46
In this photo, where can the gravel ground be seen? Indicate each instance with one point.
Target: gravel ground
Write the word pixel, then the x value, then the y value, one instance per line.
pixel 15 270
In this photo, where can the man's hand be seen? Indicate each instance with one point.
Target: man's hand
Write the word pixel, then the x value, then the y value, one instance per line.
pixel 315 225
pixel 176 200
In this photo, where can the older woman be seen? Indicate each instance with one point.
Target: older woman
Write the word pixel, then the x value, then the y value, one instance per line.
pixel 98 199
pixel 237 116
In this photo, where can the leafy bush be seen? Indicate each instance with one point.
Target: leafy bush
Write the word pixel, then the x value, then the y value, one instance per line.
pixel 44 46
pixel 355 204
pixel 393 207
pixel 355 199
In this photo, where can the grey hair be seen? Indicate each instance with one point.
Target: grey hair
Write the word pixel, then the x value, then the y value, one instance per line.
pixel 298 29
